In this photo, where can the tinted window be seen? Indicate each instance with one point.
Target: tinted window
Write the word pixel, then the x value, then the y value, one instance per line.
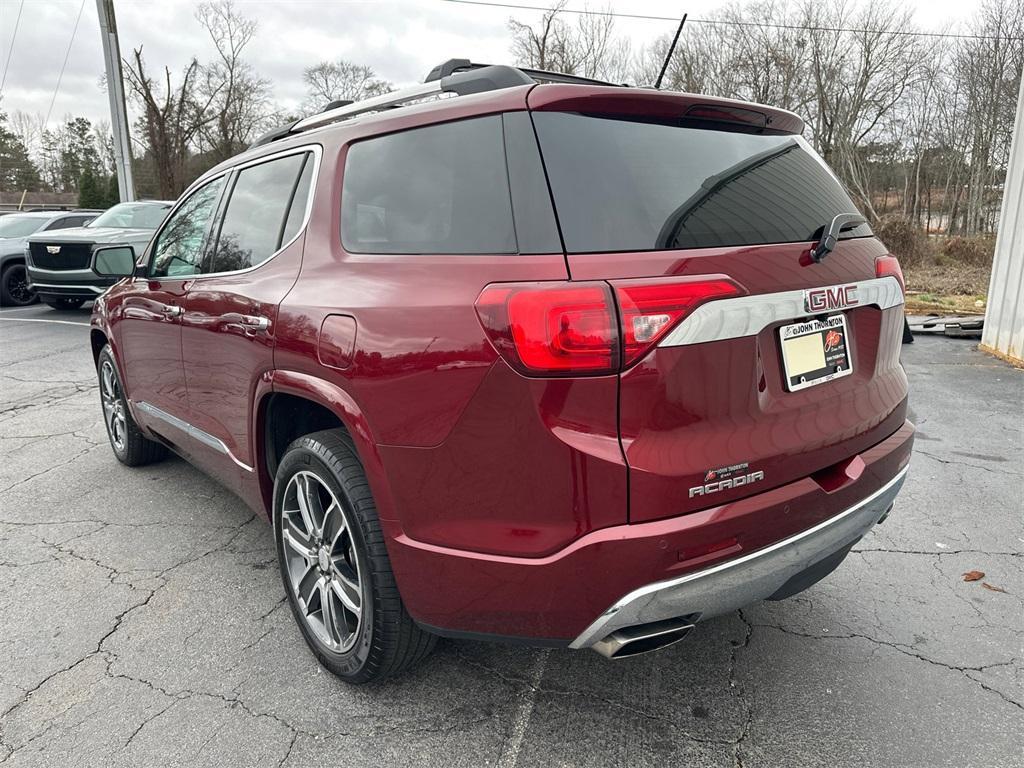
pixel 179 246
pixel 536 230
pixel 620 185
pixel 254 219
pixel 300 201
pixel 440 189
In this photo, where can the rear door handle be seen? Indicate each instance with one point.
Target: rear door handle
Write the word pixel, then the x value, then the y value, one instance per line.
pixel 172 310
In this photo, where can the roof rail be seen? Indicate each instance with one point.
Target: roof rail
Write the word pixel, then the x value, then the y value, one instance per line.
pixel 459 76
pixel 538 75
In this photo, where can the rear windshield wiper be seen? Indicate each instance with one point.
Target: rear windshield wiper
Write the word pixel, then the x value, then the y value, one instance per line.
pixel 830 236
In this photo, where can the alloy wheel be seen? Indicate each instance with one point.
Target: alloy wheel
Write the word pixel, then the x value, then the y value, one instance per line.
pixel 113 405
pixel 18 289
pixel 322 563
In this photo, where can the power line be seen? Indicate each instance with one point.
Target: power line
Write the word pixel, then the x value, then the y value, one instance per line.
pixel 67 54
pixel 7 64
pixel 722 22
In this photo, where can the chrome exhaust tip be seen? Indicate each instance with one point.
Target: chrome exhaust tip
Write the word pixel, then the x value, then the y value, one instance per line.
pixel 642 638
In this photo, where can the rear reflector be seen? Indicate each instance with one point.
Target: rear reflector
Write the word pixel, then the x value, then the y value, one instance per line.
pixel 651 308
pixel 552 329
pixel 571 329
pixel 889 266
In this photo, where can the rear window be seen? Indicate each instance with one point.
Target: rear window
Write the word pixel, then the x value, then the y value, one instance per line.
pixel 623 185
pixel 440 189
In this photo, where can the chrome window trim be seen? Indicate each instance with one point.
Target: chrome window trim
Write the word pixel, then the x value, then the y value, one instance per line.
pixel 748 315
pixel 195 432
pixel 233 171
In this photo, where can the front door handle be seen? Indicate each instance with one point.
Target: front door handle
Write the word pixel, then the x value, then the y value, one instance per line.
pixel 171 310
pixel 255 322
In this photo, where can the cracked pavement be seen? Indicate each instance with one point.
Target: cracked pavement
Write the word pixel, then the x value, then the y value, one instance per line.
pixel 142 619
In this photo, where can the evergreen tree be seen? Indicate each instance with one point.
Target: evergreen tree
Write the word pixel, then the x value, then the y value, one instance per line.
pixel 91 192
pixel 78 153
pixel 111 194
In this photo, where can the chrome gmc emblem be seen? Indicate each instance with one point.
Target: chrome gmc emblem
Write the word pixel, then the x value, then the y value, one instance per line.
pixel 53 249
pixel 819 300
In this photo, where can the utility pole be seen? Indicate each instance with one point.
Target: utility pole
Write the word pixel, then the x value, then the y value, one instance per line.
pixel 115 92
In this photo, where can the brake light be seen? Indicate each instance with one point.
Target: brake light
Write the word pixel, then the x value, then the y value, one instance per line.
pixel 720 113
pixel 570 329
pixel 552 329
pixel 889 266
pixel 651 308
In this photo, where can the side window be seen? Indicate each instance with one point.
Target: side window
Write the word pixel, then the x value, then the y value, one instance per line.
pixel 179 246
pixel 60 223
pixel 300 201
pixel 256 215
pixel 440 189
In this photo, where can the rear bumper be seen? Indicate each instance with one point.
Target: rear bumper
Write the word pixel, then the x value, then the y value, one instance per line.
pixel 705 562
pixel 745 580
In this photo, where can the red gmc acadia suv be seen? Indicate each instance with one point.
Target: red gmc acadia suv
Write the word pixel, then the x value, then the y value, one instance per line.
pixel 546 360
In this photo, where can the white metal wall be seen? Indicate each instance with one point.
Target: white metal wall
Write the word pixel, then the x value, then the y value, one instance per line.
pixel 1004 315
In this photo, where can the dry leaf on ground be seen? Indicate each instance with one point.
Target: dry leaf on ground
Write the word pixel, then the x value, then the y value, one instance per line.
pixel 974 575
pixel 993 587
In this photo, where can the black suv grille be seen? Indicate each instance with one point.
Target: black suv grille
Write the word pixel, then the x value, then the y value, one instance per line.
pixel 70 256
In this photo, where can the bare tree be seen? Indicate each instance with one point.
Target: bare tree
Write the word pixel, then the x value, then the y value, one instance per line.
pixel 332 80
pixel 586 46
pixel 238 97
pixel 172 119
pixel 990 68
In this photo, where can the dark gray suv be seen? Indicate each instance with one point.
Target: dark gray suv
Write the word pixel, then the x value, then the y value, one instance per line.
pixel 15 229
pixel 59 262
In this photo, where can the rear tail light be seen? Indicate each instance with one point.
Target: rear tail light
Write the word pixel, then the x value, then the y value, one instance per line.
pixel 889 266
pixel 573 329
pixel 651 308
pixel 552 329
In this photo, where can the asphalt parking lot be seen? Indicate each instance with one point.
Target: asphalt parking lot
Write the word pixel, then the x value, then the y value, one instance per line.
pixel 143 622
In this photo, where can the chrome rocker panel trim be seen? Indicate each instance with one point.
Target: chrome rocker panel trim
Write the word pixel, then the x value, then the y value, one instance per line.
pixel 749 315
pixel 195 432
pixel 745 580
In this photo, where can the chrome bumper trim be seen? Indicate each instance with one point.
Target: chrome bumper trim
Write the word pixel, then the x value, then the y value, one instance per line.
pixel 71 286
pixel 747 579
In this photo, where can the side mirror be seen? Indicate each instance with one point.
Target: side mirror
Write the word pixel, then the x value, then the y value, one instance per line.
pixel 115 261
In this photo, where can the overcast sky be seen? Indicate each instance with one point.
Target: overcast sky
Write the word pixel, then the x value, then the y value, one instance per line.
pixel 401 40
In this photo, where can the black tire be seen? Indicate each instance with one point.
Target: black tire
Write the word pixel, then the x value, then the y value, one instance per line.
pixel 64 305
pixel 386 640
pixel 130 446
pixel 14 290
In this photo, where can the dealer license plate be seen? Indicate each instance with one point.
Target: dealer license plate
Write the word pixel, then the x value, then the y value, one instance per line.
pixel 815 351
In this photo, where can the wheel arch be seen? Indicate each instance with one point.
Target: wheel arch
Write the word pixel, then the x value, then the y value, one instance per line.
pixel 290 405
pixel 97 340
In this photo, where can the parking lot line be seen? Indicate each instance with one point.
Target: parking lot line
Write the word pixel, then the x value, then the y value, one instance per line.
pixel 41 320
